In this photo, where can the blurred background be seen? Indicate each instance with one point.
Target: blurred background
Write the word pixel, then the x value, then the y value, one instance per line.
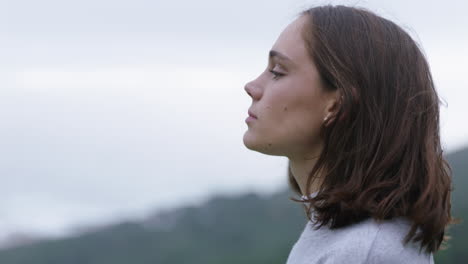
pixel 122 124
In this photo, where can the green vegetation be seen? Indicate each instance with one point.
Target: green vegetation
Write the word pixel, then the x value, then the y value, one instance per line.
pixel 244 229
pixel 457 251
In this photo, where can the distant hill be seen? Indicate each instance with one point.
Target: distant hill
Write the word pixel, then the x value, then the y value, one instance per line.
pixel 243 229
pixel 458 246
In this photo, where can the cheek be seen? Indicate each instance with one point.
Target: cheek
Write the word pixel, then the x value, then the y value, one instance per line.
pixel 299 117
pixel 295 104
pixel 292 104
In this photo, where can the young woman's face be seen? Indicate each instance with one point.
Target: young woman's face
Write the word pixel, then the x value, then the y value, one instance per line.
pixel 288 100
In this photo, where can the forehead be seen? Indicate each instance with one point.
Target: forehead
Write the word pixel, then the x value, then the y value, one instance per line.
pixel 291 43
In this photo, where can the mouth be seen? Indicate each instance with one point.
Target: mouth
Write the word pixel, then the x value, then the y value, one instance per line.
pixel 251 117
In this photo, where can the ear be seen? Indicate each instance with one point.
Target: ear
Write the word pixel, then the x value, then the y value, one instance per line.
pixel 332 106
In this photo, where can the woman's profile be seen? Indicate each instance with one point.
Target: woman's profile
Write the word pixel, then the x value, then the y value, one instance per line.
pixel 348 98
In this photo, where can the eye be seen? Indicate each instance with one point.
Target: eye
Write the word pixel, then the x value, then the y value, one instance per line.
pixel 276 74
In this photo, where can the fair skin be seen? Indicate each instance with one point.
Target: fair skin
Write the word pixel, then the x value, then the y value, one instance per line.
pixel 290 105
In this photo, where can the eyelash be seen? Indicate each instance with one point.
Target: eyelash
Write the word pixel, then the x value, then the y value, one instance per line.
pixel 276 74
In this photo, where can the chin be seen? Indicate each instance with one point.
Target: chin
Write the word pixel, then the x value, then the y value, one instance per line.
pixel 253 143
pixel 249 141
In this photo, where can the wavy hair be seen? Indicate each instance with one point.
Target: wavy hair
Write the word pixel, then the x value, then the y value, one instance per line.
pixel 382 156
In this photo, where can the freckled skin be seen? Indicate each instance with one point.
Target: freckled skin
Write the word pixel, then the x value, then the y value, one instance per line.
pixel 291 108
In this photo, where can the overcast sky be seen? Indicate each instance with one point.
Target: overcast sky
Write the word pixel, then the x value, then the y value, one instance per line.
pixel 112 109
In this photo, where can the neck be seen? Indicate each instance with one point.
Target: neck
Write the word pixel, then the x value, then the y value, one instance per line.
pixel 301 168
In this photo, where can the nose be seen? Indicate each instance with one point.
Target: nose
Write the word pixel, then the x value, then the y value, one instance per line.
pixel 251 90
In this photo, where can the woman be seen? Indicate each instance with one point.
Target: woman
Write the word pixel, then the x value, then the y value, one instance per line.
pixel 349 99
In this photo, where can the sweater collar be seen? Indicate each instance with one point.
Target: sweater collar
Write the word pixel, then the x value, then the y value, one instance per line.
pixel 312 195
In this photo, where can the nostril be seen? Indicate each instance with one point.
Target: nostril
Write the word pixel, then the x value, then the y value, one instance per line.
pixel 247 89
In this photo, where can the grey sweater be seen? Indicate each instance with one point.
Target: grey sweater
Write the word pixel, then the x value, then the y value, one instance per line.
pixel 365 242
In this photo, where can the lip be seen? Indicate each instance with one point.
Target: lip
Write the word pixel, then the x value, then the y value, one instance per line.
pixel 250 119
pixel 252 115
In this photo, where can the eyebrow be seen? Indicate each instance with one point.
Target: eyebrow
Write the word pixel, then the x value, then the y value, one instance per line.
pixel 274 53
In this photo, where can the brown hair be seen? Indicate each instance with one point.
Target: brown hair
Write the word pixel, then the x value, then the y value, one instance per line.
pixel 382 156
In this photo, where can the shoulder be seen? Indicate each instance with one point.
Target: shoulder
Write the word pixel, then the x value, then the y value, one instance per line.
pixel 353 243
pixel 368 242
pixel 376 242
pixel 389 247
pixel 323 245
